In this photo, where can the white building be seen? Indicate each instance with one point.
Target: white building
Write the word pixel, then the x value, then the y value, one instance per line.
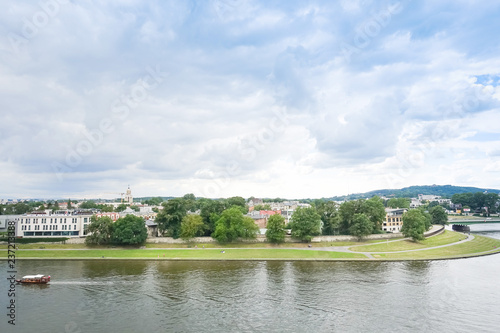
pixel 429 197
pixel 58 224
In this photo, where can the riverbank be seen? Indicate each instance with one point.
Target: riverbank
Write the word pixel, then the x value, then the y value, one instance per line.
pixel 447 245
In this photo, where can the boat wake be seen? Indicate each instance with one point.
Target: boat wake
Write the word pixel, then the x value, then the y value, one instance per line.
pixel 93 283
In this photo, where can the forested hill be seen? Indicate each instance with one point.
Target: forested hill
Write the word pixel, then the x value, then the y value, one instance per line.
pixel 445 191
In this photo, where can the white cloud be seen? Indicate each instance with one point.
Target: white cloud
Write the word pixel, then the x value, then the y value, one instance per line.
pixel 254 98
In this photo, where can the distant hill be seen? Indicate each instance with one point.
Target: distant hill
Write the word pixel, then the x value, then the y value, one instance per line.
pixel 445 191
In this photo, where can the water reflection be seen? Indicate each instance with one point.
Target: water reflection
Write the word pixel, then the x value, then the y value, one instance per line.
pixel 112 268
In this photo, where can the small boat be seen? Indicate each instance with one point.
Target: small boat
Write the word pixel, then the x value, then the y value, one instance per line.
pixel 34 279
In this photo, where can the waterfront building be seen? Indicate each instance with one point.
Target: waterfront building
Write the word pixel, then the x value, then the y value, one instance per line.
pixel 62 223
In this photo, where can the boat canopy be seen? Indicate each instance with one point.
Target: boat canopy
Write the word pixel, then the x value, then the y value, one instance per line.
pixel 38 276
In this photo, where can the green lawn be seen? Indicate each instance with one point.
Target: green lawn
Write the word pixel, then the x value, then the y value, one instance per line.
pixel 478 245
pixel 192 245
pixel 403 245
pixel 189 254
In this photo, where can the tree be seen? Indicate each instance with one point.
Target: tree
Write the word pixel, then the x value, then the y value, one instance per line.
pixel 192 226
pixel 105 208
pixel 18 208
pixel 373 208
pixel 88 204
pixel 329 212
pixel 170 218
pixel 490 201
pixel 438 215
pixel 190 202
pixel 414 224
pixel 232 225
pixel 156 201
pixel 398 203
pixel 69 204
pixel 275 232
pixel 129 230
pixel 305 223
pixel 238 201
pixel 361 226
pixel 100 230
pixel 465 199
pixel 262 207
pixel 347 210
pixel 121 207
pixel 210 212
pixel 432 204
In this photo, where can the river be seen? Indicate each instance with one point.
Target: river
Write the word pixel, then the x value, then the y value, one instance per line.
pixel 133 296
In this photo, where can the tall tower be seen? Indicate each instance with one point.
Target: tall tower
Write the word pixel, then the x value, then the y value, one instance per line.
pixel 128 196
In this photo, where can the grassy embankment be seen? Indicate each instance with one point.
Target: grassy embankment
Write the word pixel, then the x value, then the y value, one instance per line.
pixel 200 253
pixel 446 237
pixel 260 251
pixel 35 246
pixel 479 245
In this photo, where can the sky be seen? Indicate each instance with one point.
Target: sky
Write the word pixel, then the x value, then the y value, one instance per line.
pixel 220 98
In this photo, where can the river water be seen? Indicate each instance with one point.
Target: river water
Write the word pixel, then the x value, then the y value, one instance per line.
pixel 132 296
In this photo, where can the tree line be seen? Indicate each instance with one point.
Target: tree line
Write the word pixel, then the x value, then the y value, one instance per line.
pixel 477 201
pixel 225 220
pixel 128 230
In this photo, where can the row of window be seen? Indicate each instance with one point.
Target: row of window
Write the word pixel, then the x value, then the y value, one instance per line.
pixel 44 220
pixel 51 233
pixel 47 227
pixel 396 224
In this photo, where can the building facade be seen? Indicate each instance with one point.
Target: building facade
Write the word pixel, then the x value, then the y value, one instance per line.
pixel 393 219
pixel 57 224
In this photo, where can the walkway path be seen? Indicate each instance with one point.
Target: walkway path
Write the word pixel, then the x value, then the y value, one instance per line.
pixel 370 254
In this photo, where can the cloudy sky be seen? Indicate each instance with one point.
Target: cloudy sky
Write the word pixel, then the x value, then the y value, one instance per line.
pixel 218 98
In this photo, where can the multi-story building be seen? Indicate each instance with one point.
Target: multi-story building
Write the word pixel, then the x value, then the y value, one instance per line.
pixel 393 219
pixel 58 224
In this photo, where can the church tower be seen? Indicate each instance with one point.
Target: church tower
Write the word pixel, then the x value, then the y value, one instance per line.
pixel 128 196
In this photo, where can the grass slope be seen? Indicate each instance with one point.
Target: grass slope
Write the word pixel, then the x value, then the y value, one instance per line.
pixel 404 245
pixel 478 245
pixel 189 254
